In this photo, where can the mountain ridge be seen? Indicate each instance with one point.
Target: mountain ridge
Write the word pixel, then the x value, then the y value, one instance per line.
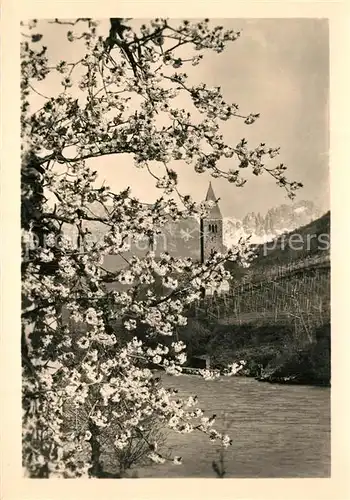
pixel 182 239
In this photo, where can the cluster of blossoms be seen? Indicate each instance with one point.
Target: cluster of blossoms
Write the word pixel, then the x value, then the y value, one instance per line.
pixel 210 101
pixel 91 337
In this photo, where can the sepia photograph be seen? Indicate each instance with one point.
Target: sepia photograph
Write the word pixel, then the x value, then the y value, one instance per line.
pixel 175 248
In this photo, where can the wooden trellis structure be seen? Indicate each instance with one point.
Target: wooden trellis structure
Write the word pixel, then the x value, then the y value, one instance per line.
pixel 293 294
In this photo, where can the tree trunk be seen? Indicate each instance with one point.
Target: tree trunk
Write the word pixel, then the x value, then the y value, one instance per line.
pixel 96 469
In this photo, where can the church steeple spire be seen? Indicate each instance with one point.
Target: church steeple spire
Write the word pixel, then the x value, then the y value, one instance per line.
pixel 210 193
pixel 215 212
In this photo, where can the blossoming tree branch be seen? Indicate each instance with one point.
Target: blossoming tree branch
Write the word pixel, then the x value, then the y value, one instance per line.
pixel 119 98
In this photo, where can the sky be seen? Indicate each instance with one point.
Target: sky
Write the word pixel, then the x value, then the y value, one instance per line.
pixel 278 68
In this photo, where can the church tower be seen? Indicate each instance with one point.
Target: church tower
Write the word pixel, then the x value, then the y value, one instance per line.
pixel 211 229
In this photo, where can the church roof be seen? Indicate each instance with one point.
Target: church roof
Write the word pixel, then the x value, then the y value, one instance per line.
pixel 215 211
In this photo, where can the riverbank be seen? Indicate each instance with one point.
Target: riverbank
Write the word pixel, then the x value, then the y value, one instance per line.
pixel 271 352
pixel 307 366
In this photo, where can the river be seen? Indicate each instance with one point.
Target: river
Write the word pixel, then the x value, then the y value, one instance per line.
pixel 277 430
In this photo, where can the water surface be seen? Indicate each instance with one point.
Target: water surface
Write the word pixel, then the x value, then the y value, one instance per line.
pixel 277 430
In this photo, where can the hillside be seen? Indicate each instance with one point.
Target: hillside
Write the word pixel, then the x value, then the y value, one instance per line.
pixel 278 322
pixel 306 241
